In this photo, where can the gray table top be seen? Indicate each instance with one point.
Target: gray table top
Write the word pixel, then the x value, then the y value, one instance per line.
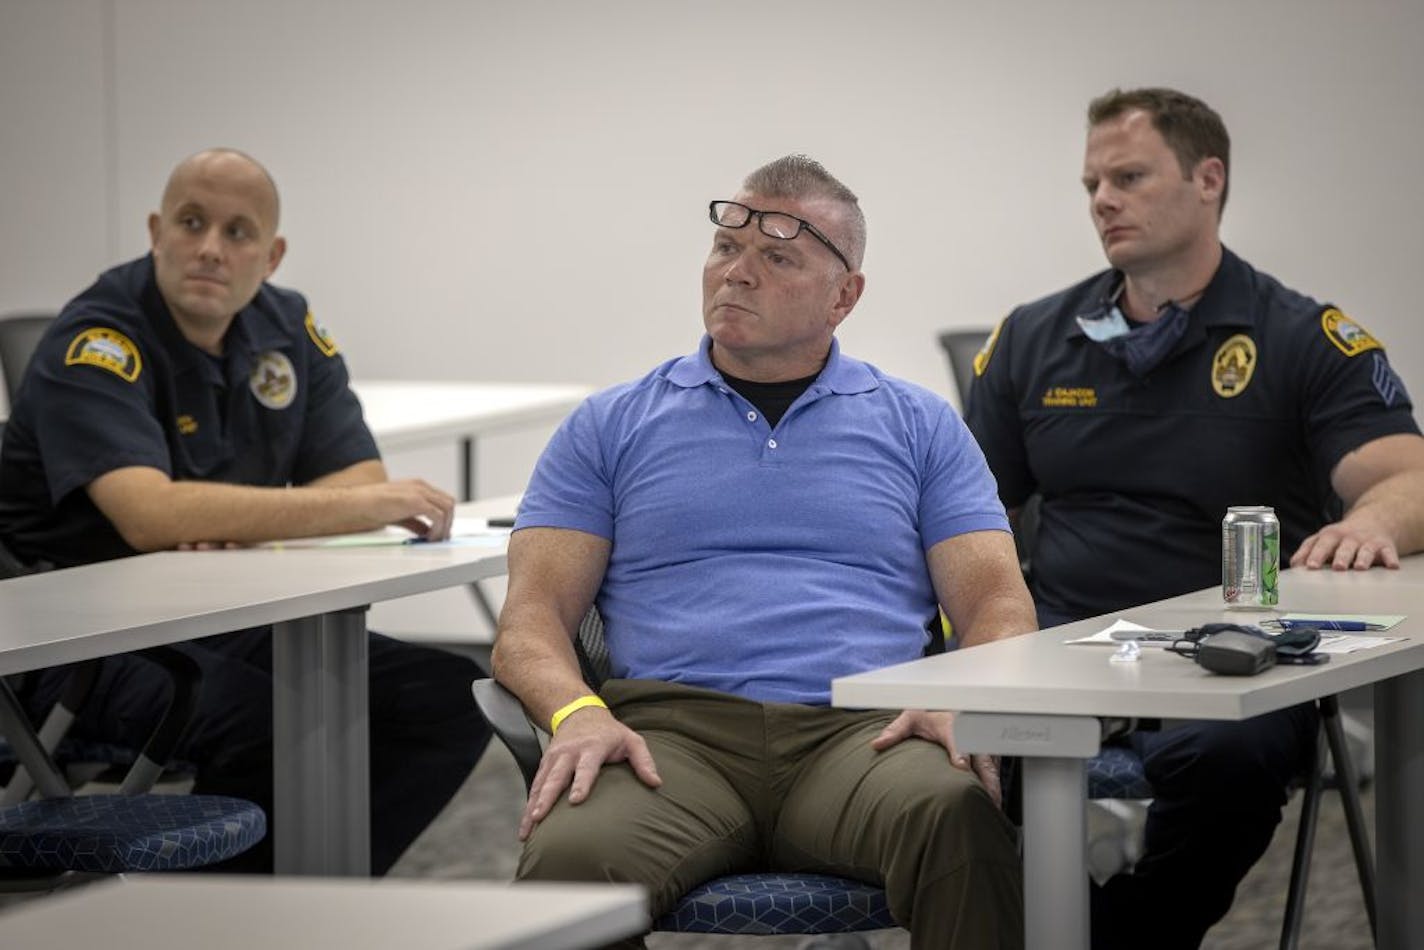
pixel 116 606
pixel 179 912
pixel 1039 673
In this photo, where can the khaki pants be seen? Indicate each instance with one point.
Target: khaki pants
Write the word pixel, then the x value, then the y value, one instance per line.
pixel 768 786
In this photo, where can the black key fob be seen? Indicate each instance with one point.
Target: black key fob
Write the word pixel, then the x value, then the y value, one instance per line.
pixel 1233 653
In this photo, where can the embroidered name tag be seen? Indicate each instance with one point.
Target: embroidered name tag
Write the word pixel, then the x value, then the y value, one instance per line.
pixel 1070 397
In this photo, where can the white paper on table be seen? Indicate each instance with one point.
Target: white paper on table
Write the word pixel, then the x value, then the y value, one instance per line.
pixel 1104 637
pixel 466 532
pixel 1350 642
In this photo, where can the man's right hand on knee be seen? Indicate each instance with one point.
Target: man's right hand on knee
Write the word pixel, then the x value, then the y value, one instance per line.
pixel 581 745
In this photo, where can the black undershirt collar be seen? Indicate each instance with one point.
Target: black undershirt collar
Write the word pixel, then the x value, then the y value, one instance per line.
pixel 772 399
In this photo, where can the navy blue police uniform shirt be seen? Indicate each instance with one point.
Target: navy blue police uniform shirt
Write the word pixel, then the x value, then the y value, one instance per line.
pixel 1264 394
pixel 114 384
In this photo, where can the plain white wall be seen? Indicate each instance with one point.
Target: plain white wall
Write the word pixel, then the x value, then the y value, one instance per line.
pixel 515 190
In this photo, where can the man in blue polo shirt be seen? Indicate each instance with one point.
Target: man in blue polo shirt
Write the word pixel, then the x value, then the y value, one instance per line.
pixel 171 405
pixel 751 521
pixel 1141 404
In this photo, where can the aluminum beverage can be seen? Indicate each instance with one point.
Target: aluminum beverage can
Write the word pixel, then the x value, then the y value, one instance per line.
pixel 1250 557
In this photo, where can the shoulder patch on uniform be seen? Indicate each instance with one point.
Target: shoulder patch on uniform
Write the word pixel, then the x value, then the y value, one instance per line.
pixel 981 359
pixel 320 336
pixel 1348 336
pixel 273 381
pixel 107 349
pixel 1233 365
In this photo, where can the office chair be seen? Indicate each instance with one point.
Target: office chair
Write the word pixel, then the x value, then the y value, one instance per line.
pixel 761 904
pixel 19 335
pixel 57 836
pixel 1117 772
pixel 45 841
pixel 960 347
pixel 80 761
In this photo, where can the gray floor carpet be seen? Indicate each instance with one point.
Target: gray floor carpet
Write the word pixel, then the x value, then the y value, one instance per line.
pixel 474 838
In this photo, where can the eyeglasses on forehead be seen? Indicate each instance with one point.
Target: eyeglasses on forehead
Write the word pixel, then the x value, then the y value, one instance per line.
pixel 777 224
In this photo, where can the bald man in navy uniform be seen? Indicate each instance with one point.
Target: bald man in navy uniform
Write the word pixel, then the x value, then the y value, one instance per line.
pixel 184 402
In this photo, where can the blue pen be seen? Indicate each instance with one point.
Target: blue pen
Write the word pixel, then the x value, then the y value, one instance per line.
pixel 1349 626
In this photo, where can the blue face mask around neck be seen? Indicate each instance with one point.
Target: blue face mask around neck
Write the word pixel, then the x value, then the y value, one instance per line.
pixel 1140 348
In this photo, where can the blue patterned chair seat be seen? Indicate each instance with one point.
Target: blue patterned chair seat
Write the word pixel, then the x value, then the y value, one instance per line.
pixel 115 833
pixel 779 904
pixel 1116 772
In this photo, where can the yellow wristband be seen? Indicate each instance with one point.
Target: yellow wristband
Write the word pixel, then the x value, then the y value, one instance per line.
pixel 573 707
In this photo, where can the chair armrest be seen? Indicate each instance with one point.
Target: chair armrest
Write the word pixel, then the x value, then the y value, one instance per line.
pixel 507 718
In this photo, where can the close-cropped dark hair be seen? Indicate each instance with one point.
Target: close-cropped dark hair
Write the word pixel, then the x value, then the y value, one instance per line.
pixel 1190 127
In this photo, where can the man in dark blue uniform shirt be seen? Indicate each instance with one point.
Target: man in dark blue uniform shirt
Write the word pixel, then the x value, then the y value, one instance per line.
pixel 1143 402
pixel 183 402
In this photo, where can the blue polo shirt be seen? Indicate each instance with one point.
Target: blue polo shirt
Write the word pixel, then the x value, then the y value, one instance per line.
pixel 113 383
pixel 757 561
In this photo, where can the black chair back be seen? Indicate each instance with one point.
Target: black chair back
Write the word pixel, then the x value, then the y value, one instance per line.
pixel 961 346
pixel 20 333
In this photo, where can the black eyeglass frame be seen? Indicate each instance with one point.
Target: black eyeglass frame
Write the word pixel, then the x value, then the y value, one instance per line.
pixel 760 216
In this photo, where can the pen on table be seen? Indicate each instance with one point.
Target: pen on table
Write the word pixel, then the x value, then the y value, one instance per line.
pixel 500 522
pixel 1355 626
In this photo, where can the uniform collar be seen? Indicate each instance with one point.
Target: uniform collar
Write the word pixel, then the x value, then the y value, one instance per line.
pixel 181 353
pixel 841 375
pixel 1220 304
pixel 1225 303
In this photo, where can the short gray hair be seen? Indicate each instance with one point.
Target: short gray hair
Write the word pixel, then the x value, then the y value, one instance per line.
pixel 801 177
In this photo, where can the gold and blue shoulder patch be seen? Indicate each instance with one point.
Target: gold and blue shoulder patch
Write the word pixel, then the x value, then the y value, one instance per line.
pixel 1233 365
pixel 105 348
pixel 320 336
pixel 981 359
pixel 1348 336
